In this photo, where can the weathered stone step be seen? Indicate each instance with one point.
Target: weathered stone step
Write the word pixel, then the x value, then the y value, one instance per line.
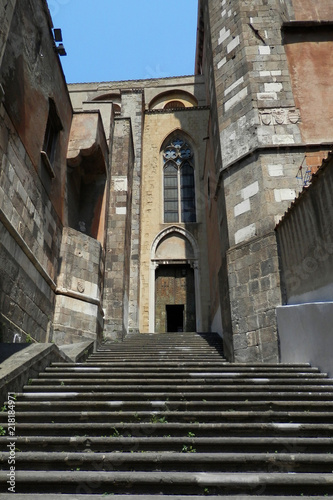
pixel 173 337
pixel 189 461
pixel 116 442
pixel 219 366
pixel 188 483
pixel 172 416
pixel 245 430
pixel 170 347
pixel 51 392
pixel 222 377
pixel 166 347
pixel 42 385
pixel 69 404
pixel 50 496
pixel 172 385
pixel 164 357
pixel 158 348
pixel 162 428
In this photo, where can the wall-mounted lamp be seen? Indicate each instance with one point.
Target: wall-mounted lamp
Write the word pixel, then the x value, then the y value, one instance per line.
pixel 60 49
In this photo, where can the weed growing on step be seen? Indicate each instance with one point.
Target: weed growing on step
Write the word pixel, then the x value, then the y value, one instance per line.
pixel 188 449
pixel 2 431
pixel 115 434
pixel 191 434
pixel 4 408
pixel 158 420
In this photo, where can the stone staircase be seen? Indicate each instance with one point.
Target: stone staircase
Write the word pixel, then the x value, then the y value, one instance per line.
pixel 166 415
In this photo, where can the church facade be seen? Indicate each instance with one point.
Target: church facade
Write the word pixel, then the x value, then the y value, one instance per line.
pixel 151 205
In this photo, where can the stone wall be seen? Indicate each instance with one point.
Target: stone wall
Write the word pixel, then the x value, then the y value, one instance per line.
pixel 118 243
pixel 133 107
pixel 31 199
pixel 254 283
pixel 262 146
pixel 78 315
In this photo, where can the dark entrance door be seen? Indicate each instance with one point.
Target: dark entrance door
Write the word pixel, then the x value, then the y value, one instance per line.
pixel 175 317
pixel 174 288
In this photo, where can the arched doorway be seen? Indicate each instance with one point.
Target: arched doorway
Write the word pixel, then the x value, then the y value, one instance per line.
pixel 174 298
pixel 174 283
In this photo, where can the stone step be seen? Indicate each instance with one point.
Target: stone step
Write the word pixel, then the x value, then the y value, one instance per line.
pixel 195 377
pixel 42 385
pixel 214 366
pixel 69 404
pixel 181 358
pixel 160 415
pixel 188 483
pixel 166 342
pixel 162 428
pixel 186 350
pixel 172 416
pixel 188 461
pixel 36 496
pixel 117 442
pixel 156 348
pixel 51 392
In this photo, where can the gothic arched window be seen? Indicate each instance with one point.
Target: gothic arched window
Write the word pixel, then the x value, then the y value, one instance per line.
pixel 178 179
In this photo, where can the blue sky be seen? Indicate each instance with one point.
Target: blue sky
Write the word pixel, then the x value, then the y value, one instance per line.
pixel 110 40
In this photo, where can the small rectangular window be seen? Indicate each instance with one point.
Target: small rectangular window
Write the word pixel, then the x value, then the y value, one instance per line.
pixel 53 127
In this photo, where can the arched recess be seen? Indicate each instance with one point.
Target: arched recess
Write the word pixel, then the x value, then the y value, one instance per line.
pixel 175 248
pixel 182 96
pixel 114 98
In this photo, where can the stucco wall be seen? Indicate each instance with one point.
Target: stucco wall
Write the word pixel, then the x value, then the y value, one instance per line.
pixel 310 60
pixel 312 9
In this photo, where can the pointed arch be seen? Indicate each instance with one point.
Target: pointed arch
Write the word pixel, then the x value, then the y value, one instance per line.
pixel 174 246
pixel 174 230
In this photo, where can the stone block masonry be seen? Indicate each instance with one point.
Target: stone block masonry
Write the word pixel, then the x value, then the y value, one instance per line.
pixel 78 314
pixel 259 127
pixel 254 293
pixel 118 245
pixel 133 107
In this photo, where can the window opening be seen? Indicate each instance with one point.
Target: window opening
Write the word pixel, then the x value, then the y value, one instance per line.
pixel 174 105
pixel 53 128
pixel 179 187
